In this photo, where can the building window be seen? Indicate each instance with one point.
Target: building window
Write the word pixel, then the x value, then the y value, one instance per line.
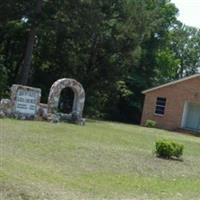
pixel 160 106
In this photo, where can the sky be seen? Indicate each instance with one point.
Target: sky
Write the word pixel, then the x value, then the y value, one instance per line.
pixel 189 12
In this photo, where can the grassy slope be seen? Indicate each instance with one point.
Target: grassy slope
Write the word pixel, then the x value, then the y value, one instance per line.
pixel 100 160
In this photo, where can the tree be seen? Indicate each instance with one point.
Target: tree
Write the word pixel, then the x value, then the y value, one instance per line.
pixel 185 43
pixel 24 70
pixel 147 29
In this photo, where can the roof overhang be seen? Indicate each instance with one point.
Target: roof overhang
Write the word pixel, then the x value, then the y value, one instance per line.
pixel 171 83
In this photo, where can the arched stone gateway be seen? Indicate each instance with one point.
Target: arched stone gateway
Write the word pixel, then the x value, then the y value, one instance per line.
pixel 78 102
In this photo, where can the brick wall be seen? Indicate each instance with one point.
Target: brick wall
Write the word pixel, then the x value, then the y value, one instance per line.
pixel 176 95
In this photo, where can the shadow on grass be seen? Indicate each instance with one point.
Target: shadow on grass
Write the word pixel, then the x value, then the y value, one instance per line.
pixel 171 158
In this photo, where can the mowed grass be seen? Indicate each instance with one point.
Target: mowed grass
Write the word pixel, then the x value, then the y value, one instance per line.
pixel 101 160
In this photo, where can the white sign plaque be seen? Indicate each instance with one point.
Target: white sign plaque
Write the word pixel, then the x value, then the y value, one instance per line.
pixel 26 101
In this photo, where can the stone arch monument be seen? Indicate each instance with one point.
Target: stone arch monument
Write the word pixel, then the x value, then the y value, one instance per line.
pixel 78 102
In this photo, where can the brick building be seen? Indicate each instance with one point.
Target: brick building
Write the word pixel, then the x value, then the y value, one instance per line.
pixel 174 105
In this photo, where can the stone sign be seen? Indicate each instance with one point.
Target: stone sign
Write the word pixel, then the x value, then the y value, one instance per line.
pixel 25 100
pixel 25 103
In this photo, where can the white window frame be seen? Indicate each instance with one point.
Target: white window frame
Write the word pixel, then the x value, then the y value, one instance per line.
pixel 163 106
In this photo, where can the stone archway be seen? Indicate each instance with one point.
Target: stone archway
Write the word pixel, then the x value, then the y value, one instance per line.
pixel 78 102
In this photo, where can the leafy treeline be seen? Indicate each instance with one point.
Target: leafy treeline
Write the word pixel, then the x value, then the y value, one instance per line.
pixel 115 48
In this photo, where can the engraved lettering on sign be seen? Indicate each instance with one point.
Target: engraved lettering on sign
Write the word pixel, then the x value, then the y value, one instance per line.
pixel 26 101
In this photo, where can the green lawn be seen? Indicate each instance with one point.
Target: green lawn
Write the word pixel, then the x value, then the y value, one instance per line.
pixel 101 160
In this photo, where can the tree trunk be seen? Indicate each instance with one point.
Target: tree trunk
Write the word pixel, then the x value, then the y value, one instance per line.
pixel 24 71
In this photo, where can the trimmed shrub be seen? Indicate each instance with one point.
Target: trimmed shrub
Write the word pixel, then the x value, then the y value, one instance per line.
pixel 150 123
pixel 169 149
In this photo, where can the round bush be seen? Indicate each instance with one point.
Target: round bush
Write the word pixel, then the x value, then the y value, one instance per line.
pixel 168 149
pixel 150 123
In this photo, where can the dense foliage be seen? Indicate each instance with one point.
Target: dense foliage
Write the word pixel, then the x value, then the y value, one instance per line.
pixel 169 149
pixel 150 123
pixel 115 48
